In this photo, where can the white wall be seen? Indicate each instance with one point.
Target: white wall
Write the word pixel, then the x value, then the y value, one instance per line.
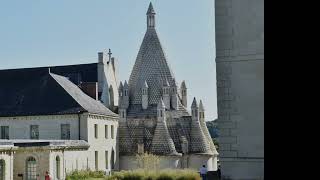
pixel 101 144
pixel 107 76
pixel 49 126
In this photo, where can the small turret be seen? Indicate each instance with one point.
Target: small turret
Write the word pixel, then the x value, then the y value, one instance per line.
pixel 151 17
pixel 166 93
pixel 199 142
pixel 201 110
pixel 183 92
pixel 120 91
pixel 195 110
pixel 145 95
pixel 161 110
pixel 126 95
pixel 162 143
pixel 205 128
pixel 174 95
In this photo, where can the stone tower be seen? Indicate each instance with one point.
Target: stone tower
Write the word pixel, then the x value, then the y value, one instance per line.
pixel 183 92
pixel 240 87
pixel 157 117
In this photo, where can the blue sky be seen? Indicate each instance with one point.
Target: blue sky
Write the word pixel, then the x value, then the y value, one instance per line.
pixel 37 33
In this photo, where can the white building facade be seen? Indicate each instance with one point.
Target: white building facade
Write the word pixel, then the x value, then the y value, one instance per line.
pixel 83 137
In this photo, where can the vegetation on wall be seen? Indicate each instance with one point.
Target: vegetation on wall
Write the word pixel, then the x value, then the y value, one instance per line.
pixel 148 161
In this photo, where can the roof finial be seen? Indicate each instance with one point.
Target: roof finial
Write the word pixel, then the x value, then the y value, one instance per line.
pixel 150 9
pixel 151 16
pixel 109 53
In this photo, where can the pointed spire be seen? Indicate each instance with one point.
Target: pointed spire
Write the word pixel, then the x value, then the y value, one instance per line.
pixel 126 86
pixel 150 9
pixel 145 85
pixel 151 17
pixel 183 85
pixel 174 82
pixel 166 83
pixel 194 103
pixel 120 86
pixel 201 107
pixel 161 104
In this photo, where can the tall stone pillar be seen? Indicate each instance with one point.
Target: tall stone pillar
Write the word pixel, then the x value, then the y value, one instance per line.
pixel 240 87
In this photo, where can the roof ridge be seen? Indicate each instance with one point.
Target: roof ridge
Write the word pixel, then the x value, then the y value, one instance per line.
pixel 76 93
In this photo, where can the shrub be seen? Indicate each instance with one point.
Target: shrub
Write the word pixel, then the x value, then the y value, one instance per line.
pixel 85 174
pixel 144 174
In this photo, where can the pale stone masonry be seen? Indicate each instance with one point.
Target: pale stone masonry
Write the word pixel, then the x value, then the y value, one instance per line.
pixel 240 87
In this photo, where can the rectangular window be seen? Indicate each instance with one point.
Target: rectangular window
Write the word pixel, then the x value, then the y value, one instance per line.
pixel 107 159
pixel 65 131
pixel 34 131
pixel 96 130
pixel 4 132
pixel 112 131
pixel 96 158
pixel 106 131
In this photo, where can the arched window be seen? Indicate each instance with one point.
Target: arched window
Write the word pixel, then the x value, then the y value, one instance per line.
pixel 112 159
pixel 2 169
pixel 31 168
pixel 58 167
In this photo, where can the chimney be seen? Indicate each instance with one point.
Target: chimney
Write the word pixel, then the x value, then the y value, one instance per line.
pixel 100 57
pixel 91 89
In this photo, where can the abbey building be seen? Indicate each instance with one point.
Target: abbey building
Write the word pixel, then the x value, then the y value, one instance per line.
pixel 65 118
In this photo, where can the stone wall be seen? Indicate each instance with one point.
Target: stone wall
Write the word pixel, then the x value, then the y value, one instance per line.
pixel 7 156
pixel 240 87
pixel 20 160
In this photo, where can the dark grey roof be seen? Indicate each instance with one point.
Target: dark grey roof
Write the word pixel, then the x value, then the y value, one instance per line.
pixel 151 66
pixel 76 73
pixel 37 92
pixel 86 102
pixel 151 9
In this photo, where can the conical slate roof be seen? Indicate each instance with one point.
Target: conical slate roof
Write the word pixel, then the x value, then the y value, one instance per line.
pixel 150 9
pixel 151 65
pixel 120 86
pixel 162 143
pixel 208 137
pixel 194 103
pixel 201 107
pixel 183 85
pixel 198 141
pixel 125 140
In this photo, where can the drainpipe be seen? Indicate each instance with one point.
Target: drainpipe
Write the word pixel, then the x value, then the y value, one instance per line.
pixel 79 126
